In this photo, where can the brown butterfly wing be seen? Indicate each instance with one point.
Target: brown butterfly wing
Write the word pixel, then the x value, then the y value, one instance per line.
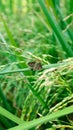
pixel 38 66
pixel 35 65
pixel 31 64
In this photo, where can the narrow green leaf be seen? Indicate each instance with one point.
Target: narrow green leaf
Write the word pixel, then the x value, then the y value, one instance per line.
pixel 10 116
pixel 55 27
pixel 45 119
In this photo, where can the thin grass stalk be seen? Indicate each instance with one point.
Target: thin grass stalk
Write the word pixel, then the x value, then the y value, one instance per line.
pixel 11 3
pixel 2 7
pixel 8 32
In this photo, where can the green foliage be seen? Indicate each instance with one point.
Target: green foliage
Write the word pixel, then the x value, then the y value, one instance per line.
pixel 36 98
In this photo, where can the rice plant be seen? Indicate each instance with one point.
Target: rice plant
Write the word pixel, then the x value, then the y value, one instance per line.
pixel 36 68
